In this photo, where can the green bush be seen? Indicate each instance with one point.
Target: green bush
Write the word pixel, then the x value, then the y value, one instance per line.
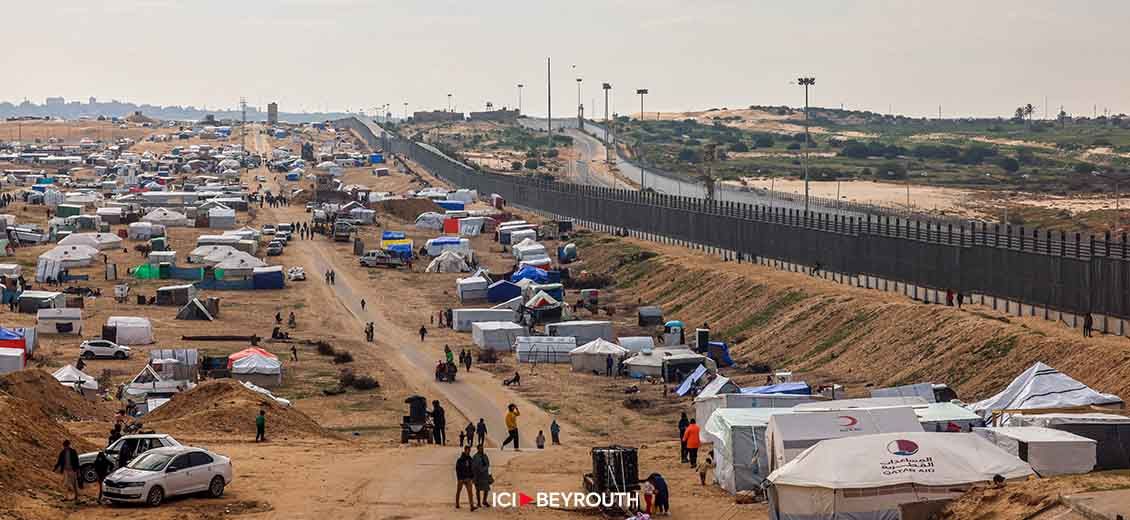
pixel 531 164
pixel 516 166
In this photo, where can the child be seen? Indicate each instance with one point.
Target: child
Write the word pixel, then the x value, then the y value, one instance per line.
pixel 647 489
pixel 704 468
pixel 540 440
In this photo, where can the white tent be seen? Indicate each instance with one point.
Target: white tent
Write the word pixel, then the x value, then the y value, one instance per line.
pixel 242 264
pixel 650 364
pixel 513 304
pixel 874 474
pixel 737 435
pixel 461 319
pixel 166 217
pixel 10 269
pixel 704 407
pixel 12 359
pixel 1050 452
pixel 636 343
pixel 584 330
pixel 131 330
pixel 199 254
pixel 52 262
pixel 143 231
pixel 787 436
pixel 438 246
pixel 522 235
pixel 472 288
pixel 1042 386
pixel 258 369
pixel 68 375
pixel 430 220
pixel 221 218
pixel 496 335
pixel 59 321
pixel 862 403
pixel 593 356
pixel 98 241
pixel 448 262
pixel 529 252
pixel 543 349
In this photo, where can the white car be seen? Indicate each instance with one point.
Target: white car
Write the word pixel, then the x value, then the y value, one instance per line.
pixel 133 445
pixel 101 348
pixel 166 472
pixel 268 229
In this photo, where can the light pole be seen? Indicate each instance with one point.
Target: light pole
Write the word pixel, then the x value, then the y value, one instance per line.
pixel 806 82
pixel 405 111
pixel 607 144
pixel 580 107
pixel 520 98
pixel 449 102
pixel 549 102
pixel 643 172
pixel 1117 212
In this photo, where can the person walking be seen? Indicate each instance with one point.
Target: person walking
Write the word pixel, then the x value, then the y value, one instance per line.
pixel 115 434
pixel 362 304
pixel 960 299
pixel 294 353
pixel 555 433
pixel 465 478
pixel 949 298
pixel 67 465
pixel 608 365
pixel 447 354
pixel 690 438
pixel 481 431
pixel 647 489
pixel 439 424
pixel 467 361
pixel 683 423
pixel 261 426
pixel 102 467
pixel 480 468
pixel 512 415
pixel 424 333
pixel 1088 324
pixel 469 431
pixel 540 440
pixel 705 468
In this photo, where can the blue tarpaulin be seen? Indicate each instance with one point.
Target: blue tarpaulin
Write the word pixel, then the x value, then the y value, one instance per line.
pixel 393 235
pixel 720 352
pixel 451 205
pixel 690 380
pixel 443 241
pixel 797 388
pixel 502 291
pixel 404 250
pixel 376 158
pixel 268 278
pixel 532 273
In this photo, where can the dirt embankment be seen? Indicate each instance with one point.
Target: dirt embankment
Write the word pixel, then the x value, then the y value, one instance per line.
pixel 225 407
pixel 853 336
pixel 57 401
pixel 407 209
pixel 1023 499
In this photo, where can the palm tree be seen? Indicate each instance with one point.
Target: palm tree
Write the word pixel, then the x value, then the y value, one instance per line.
pixel 1028 111
pixel 1019 114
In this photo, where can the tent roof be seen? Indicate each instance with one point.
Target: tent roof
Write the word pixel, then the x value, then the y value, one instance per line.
pixel 68 313
pixel 1042 386
pixel 861 404
pixel 128 321
pixel 1036 434
pixel 888 459
pixel 195 303
pixel 541 299
pixel 600 346
pixel 720 385
pixel 256 363
pixel 69 374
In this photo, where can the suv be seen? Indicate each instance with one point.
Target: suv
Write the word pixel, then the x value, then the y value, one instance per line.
pixel 165 472
pixel 103 348
pixel 268 229
pixel 134 444
pixel 275 248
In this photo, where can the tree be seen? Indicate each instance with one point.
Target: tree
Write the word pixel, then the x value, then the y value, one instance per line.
pixel 1028 111
pixel 763 141
pixel 891 170
pixel 1009 164
pixel 531 164
pixel 516 166
pixel 1019 116
pixel 691 155
pixel 551 153
pixel 739 147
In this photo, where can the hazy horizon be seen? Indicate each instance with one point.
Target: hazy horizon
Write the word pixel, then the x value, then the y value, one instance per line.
pixel 908 57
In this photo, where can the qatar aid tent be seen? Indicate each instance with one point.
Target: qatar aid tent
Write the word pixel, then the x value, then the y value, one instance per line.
pixel 1042 386
pixel 868 477
pixel 593 356
pixel 256 366
pixel 496 335
pixel 166 217
pixel 99 241
pixel 129 330
pixel 737 436
pixel 788 436
pixel 68 375
pixel 1049 452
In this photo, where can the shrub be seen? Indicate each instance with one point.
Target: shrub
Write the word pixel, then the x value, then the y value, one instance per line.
pixel 325 349
pixel 516 166
pixel 763 141
pixel 793 146
pixel 1010 165
pixel 343 357
pixel 345 377
pixel 365 383
pixel 531 164
pixel 739 147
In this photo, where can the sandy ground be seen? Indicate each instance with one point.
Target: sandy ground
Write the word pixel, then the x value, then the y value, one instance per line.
pixel 69 132
pixel 882 193
pixel 756 120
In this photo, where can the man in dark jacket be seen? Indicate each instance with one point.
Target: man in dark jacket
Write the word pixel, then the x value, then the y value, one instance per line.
pixel 67 465
pixel 481 431
pixel 103 467
pixel 439 424
pixel 480 465
pixel 683 424
pixel 465 475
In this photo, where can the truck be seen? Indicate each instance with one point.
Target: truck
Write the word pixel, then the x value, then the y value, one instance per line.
pixel 381 258
pixel 343 231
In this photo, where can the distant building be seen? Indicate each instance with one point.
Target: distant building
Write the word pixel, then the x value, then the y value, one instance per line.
pixel 93 100
pixel 436 116
pixel 272 113
pixel 56 101
pixel 501 116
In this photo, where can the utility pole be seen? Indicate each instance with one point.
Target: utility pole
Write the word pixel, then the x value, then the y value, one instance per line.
pixel 643 172
pixel 607 126
pixel 580 107
pixel 806 82
pixel 520 98
pixel 449 102
pixel 405 111
pixel 549 102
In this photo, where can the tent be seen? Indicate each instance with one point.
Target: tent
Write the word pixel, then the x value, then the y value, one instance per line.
pixel 719 385
pixel 256 366
pixel 923 390
pixel 502 290
pixel 705 406
pixel 436 246
pixel 99 241
pixel 51 263
pixel 448 262
pixel 176 294
pixel 1050 452
pixel 874 474
pixel 144 230
pixel 554 290
pixel 68 375
pixel 221 217
pixel 791 388
pixel 130 330
pixel 496 335
pixel 165 217
pixel 269 277
pixel 1111 432
pixel 32 301
pixel 59 321
pixel 472 226
pixel 529 251
pixel 863 403
pixel 947 417
pixel 393 235
pixel 543 307
pixel 161 257
pixel 637 343
pixel 221 253
pixel 12 359
pixel 9 269
pixel 472 288
pixel 461 319
pixel 175 363
pixel 20 338
pixel 514 304
pixel 584 330
pixel 1042 386
pixel 530 273
pixel 543 349
pixel 788 436
pixel 200 253
pixel 239 265
pixel 660 361
pixel 194 310
pixel 741 457
pixel 430 220
pixel 593 356
pixel 520 236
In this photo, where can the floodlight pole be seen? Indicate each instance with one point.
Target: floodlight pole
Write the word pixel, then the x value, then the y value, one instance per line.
pixel 806 82
pixel 643 172
pixel 520 98
pixel 607 145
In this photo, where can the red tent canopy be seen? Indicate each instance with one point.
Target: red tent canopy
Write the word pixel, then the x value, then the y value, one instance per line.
pixel 249 352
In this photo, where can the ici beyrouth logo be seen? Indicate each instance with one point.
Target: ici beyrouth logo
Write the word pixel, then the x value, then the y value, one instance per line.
pixel 564 499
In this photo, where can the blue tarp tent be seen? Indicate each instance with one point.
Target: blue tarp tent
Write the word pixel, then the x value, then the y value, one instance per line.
pixel 532 273
pixel 404 250
pixel 393 235
pixel 268 277
pixel 720 353
pixel 451 205
pixel 796 388
pixel 502 291
pixel 376 158
pixel 293 176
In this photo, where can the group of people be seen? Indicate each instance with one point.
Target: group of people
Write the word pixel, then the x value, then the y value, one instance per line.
pixel 291 321
pixel 330 276
pixel 689 442
pixel 370 331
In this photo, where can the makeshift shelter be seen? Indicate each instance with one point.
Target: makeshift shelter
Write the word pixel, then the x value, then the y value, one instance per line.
pixel 637 343
pixel 670 363
pixel 543 349
pixel 923 390
pixel 584 330
pixel 737 436
pixel 1049 452
pixel 430 220
pixel 650 316
pixel 436 246
pixel 874 474
pixel 148 383
pixel 221 217
pixel 12 359
pixel 947 417
pixel 176 294
pixel 529 250
pixel 69 376
pixel 530 273
pixel 472 226
pixel 462 319
pixel 109 215
pixel 98 241
pixel 166 217
pixel 58 321
pixel 21 338
pixel 496 335
pixel 520 236
pixel 241 265
pixel 593 356
pixel 1111 432
pixel 30 302
pixel 194 310
pixel 447 262
pixel 472 288
pixel 269 277
pixel 787 436
pixel 502 290
pixel 144 231
pixel 51 263
pixel 514 304
pixel 1042 386
pixel 128 330
pixel 706 405
pixel 162 257
pixel 256 366
pixel 200 253
pixel 12 270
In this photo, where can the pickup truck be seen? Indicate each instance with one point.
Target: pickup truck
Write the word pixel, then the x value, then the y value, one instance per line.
pixel 343 231
pixel 381 258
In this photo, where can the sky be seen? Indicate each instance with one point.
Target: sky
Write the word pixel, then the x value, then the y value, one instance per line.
pixel 907 56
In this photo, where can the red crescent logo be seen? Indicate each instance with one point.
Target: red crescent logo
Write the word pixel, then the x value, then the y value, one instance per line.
pixel 848 421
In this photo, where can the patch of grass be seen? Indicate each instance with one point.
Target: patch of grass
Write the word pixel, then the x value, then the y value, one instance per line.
pixel 762 317
pixel 546 405
pixel 996 348
pixel 840 333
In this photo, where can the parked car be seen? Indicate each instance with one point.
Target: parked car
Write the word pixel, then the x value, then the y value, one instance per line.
pixel 283 236
pixel 166 472
pixel 268 229
pixel 101 348
pixel 275 248
pixel 380 257
pixel 260 178
pixel 133 444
